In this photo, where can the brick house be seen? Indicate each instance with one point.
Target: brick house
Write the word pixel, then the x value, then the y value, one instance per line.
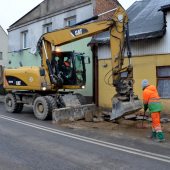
pixel 3 53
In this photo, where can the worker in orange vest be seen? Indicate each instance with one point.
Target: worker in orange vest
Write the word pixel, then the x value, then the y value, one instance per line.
pixel 152 101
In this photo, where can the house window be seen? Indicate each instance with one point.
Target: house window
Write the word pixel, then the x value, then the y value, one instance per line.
pixel 0 55
pixel 163 81
pixel 71 22
pixel 25 40
pixel 48 28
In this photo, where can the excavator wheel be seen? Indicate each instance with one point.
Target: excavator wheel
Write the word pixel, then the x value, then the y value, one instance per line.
pixel 42 108
pixel 20 107
pixel 81 98
pixel 53 104
pixel 52 101
pixel 11 103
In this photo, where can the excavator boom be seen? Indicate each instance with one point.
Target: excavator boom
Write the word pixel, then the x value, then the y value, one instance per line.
pixel 124 102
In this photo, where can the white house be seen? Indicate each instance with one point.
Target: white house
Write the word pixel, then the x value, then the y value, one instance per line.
pixel 3 52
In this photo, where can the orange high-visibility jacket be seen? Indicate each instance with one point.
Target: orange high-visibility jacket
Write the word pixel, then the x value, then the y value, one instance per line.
pixel 151 99
pixel 67 64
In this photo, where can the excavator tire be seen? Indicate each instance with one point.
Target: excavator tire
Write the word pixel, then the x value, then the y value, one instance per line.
pixel 53 104
pixel 20 107
pixel 42 108
pixel 81 98
pixel 11 104
pixel 52 101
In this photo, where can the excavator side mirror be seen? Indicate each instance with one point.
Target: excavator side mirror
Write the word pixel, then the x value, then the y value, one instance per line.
pixel 88 60
pixel 42 72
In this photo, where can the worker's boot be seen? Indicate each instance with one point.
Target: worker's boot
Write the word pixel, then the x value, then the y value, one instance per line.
pixel 159 140
pixel 161 137
pixel 152 136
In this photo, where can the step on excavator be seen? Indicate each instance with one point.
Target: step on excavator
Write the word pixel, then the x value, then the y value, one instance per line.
pixel 41 86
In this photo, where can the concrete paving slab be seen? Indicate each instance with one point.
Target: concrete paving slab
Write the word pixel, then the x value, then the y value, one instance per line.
pixel 149 119
pixel 130 116
pixel 71 114
pixel 141 118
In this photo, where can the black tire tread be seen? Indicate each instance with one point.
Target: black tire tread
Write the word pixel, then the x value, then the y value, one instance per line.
pixel 53 105
pixel 52 101
pixel 12 96
pixel 20 107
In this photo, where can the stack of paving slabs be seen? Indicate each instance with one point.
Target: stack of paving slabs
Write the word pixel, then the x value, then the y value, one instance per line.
pixel 135 117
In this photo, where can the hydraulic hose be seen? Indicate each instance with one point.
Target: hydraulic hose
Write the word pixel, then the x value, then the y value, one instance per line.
pixel 129 54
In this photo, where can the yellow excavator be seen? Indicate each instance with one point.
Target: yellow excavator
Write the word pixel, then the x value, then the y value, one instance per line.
pixel 39 86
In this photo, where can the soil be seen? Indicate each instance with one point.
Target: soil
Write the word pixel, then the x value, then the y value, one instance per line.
pixel 121 126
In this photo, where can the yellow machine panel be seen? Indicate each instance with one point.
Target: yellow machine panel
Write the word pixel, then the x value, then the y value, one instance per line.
pixel 27 78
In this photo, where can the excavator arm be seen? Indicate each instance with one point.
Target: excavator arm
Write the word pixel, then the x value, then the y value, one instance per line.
pixel 118 28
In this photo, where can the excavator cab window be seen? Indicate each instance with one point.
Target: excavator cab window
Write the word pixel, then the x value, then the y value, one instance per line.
pixel 64 63
pixel 80 68
pixel 71 67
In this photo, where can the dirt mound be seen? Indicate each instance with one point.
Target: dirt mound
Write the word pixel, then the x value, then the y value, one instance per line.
pixel 121 124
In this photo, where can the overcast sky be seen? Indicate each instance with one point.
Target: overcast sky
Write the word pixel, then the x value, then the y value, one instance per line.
pixel 12 10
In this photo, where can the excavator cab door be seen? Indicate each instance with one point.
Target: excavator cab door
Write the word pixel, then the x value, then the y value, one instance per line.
pixel 71 67
pixel 80 71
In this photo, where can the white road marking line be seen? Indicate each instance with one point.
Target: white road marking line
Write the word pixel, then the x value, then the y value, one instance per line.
pixel 90 140
pixel 95 140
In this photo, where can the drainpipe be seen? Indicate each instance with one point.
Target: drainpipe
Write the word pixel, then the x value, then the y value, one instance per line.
pixel 96 80
pixel 95 73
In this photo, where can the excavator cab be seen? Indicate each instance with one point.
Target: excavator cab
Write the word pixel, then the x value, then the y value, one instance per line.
pixel 71 67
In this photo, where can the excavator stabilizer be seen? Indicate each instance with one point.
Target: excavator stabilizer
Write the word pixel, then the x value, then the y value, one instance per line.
pixel 121 109
pixel 71 114
pixel 72 110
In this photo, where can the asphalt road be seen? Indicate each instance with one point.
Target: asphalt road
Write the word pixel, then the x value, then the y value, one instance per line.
pixel 29 144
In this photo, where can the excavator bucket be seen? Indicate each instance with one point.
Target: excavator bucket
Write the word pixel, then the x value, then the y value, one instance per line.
pixel 121 109
pixel 72 111
pixel 71 114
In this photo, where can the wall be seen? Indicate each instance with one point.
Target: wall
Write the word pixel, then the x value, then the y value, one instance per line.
pixel 101 6
pixel 153 46
pixel 143 68
pixel 35 29
pixel 47 8
pixel 141 48
pixel 3 47
pixel 26 58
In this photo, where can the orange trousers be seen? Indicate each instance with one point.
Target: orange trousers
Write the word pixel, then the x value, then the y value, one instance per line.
pixel 156 125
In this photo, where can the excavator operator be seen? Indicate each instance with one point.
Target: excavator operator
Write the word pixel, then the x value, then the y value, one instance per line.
pixel 66 68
